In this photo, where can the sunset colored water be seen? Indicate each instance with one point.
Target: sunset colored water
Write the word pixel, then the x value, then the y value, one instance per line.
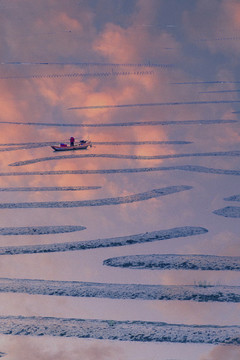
pixel 129 249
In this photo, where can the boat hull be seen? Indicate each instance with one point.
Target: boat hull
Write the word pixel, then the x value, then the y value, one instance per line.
pixel 70 148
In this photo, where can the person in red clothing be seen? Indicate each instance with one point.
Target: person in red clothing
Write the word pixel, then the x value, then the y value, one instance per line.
pixel 72 141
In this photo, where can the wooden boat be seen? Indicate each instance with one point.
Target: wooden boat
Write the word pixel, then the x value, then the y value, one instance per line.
pixel 83 144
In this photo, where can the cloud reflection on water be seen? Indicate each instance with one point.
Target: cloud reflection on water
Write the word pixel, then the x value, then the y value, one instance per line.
pixel 126 32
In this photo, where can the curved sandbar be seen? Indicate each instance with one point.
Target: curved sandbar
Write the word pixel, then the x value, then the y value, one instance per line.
pixel 13 149
pixel 23 146
pixel 40 230
pixel 173 261
pixel 104 243
pixel 218 293
pixel 90 64
pixel 146 142
pixel 229 211
pixel 100 202
pixel 233 198
pixel 51 188
pixel 130 123
pixel 191 168
pixel 84 75
pixel 172 103
pixel 130 157
pixel 144 331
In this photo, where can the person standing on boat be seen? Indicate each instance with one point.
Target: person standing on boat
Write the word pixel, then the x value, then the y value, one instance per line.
pixel 72 140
